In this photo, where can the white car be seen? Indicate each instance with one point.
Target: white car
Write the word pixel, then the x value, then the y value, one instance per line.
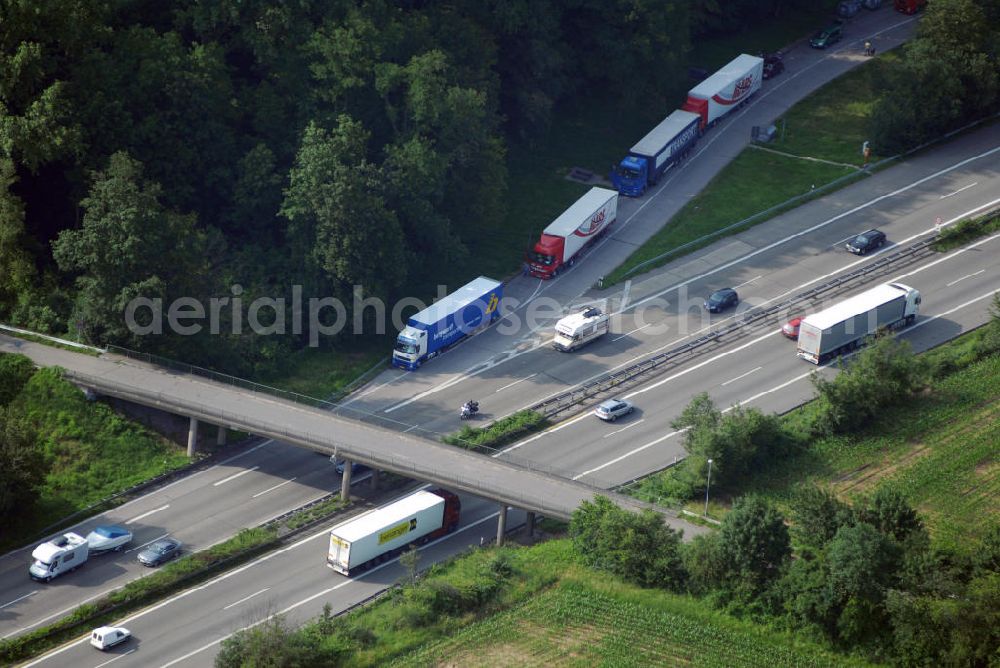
pixel 106 637
pixel 105 539
pixel 612 409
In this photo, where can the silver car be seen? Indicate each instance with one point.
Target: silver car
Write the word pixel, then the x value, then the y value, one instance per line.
pixel 160 552
pixel 612 409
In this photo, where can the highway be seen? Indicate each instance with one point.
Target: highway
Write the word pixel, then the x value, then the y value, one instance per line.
pixel 208 507
pixel 517 374
pixel 186 629
pixel 760 369
pixel 770 262
pixel 200 509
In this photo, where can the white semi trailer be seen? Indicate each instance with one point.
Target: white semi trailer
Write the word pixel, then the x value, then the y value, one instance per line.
pixel 383 533
pixel 844 327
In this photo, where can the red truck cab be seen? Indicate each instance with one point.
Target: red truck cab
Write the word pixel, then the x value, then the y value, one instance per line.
pixel 452 512
pixel 909 6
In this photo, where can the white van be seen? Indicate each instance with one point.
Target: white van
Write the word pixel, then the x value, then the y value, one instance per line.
pixel 106 637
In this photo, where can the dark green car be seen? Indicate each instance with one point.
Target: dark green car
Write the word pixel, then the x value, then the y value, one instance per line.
pixel 827 36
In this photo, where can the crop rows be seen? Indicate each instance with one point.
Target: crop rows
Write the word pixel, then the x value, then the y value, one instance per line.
pixel 574 625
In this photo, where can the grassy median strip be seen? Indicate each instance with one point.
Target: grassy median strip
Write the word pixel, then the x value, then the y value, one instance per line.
pixel 965 231
pixel 499 433
pixel 817 142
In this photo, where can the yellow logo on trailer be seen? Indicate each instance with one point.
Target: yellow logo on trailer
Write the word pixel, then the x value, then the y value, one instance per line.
pixel 494 302
pixel 397 531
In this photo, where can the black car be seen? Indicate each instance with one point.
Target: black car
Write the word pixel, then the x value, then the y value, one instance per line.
pixel 722 299
pixel 866 242
pixel 160 552
pixel 773 65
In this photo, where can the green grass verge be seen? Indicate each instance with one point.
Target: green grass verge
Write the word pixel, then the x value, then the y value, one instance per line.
pixel 939 450
pixel 755 181
pixel 499 433
pixel 829 125
pixel 91 453
pixel 965 231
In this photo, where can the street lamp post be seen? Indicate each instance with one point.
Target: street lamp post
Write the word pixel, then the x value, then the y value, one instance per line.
pixel 708 485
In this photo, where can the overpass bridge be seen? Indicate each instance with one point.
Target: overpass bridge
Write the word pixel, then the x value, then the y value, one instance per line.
pixel 204 400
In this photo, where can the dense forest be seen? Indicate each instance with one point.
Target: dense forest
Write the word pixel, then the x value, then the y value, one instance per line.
pixel 237 149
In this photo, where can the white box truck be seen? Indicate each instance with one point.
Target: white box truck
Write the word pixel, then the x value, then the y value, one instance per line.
pixel 579 329
pixel 384 533
pixel 585 221
pixel 60 555
pixel 844 327
pixel 725 90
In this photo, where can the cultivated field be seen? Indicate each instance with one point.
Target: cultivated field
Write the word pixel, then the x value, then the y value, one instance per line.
pixel 585 620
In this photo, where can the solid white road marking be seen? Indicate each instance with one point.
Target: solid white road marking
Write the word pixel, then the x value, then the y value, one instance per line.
pixel 618 431
pixel 637 329
pixel 747 282
pixel 733 380
pixel 960 190
pixel 515 383
pixel 271 489
pixel 235 476
pixel 147 514
pixel 948 285
pixel 19 598
pixel 115 659
pixel 246 598
pixel 146 543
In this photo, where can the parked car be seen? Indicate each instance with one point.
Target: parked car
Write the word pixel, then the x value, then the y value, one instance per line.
pixel 722 299
pixel 612 409
pixel 108 538
pixel 773 65
pixel 106 637
pixel 866 242
pixel 356 468
pixel 791 328
pixel 160 552
pixel 848 8
pixel 827 36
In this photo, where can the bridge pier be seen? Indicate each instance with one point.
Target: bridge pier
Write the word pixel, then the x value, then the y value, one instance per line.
pixel 345 481
pixel 374 479
pixel 531 524
pixel 220 435
pixel 192 437
pixel 501 524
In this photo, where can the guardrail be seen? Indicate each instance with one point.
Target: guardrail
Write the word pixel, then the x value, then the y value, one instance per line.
pixel 560 402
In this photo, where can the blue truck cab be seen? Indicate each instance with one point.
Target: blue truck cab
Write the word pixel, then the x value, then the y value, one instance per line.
pixel 657 152
pixel 465 312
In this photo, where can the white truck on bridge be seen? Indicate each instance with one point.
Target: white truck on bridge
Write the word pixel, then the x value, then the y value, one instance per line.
pixel 844 327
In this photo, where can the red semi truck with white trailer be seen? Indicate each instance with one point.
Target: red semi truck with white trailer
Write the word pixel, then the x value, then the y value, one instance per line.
pixel 845 326
pixel 578 226
pixel 722 92
pixel 381 534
